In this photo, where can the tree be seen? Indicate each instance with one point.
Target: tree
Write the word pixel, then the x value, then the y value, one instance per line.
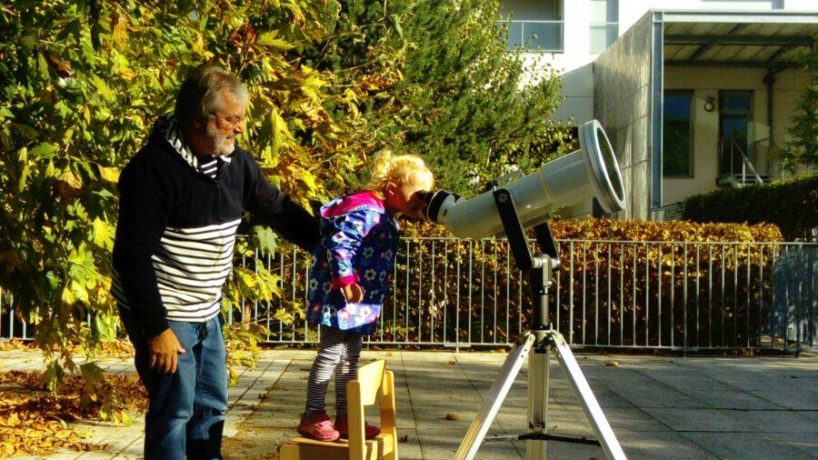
pixel 330 82
pixel 803 149
pixel 455 95
pixel 82 84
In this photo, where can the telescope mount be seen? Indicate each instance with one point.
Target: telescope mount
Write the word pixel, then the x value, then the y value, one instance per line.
pixel 542 339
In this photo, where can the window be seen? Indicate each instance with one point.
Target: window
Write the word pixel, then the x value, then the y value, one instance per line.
pixel 743 4
pixel 534 24
pixel 735 117
pixel 604 24
pixel 677 134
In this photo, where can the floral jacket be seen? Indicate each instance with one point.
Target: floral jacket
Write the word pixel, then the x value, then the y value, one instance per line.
pixel 358 244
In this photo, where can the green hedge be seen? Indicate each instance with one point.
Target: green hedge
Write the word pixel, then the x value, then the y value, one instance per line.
pixel 792 206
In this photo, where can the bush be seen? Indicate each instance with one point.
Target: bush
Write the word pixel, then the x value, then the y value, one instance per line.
pixel 791 205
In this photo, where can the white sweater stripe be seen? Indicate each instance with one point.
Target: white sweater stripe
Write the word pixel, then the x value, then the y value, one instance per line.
pixel 191 266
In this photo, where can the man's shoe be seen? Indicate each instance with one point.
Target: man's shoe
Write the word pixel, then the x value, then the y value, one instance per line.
pixel 318 426
pixel 371 431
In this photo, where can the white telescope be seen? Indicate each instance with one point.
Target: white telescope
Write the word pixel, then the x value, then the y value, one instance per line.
pixel 592 171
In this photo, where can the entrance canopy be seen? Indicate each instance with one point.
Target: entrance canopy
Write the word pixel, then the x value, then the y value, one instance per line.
pixel 772 40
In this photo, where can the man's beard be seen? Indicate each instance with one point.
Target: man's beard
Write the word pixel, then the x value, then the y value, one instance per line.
pixel 222 145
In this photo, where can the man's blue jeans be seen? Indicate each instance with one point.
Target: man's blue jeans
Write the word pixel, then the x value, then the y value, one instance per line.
pixel 186 410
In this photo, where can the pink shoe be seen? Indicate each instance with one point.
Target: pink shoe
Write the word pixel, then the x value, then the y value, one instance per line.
pixel 319 427
pixel 370 431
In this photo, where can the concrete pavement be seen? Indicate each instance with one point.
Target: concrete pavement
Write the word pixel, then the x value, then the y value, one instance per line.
pixel 659 407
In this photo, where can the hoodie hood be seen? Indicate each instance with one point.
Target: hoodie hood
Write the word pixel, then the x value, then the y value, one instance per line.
pixel 168 128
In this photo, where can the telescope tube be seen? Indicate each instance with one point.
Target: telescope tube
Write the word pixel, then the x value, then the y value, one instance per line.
pixel 591 171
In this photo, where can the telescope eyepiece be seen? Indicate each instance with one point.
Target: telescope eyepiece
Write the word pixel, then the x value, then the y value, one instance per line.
pixel 433 208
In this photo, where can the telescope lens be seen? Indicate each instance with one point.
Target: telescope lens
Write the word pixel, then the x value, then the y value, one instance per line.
pixel 617 190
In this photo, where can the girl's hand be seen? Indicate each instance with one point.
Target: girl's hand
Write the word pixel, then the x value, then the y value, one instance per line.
pixel 354 293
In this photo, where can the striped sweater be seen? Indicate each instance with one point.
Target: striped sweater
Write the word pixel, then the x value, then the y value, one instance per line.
pixel 178 216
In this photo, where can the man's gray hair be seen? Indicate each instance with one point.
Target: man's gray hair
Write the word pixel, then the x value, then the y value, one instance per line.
pixel 199 95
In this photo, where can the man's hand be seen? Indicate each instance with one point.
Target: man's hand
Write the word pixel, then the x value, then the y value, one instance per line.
pixel 164 350
pixel 354 293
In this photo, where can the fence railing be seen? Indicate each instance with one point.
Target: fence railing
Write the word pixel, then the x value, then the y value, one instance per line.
pixel 606 294
pixel 536 35
pixel 735 163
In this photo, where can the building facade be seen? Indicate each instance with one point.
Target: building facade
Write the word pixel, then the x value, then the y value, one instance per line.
pixel 694 94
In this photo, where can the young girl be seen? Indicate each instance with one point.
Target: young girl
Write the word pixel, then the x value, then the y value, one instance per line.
pixel 349 279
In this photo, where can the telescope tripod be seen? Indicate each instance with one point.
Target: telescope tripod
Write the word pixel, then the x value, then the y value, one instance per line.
pixel 542 340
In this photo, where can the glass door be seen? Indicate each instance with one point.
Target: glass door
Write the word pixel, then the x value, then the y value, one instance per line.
pixel 735 117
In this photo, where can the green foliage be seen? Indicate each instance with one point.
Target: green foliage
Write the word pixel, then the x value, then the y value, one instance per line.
pixel 790 205
pixel 803 149
pixel 82 83
pixel 440 83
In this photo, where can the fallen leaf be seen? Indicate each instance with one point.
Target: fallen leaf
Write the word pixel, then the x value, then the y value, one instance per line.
pixel 37 422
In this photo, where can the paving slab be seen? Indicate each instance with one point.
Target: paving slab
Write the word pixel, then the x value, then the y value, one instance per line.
pixel 747 445
pixel 658 407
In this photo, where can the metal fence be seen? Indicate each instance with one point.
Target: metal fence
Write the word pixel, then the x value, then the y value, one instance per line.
pixel 536 35
pixel 606 294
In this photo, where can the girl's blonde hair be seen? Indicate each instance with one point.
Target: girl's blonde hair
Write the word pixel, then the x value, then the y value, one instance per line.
pixel 398 169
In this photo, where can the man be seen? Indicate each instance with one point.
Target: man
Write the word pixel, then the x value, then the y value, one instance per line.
pixel 181 199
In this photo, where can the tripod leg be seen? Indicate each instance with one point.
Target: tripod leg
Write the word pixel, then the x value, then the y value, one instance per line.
pixel 538 375
pixel 586 397
pixel 497 394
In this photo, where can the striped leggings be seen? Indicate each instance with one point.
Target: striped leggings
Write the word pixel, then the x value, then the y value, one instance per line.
pixel 338 353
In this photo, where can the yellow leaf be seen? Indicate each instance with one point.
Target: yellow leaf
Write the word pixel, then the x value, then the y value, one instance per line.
pixel 246 281
pixel 24 178
pixel 67 296
pixel 102 87
pixel 308 179
pixel 280 131
pixel 271 39
pixel 103 235
pixel 269 284
pixel 70 179
pixel 270 160
pixel 120 32
pixel 109 173
pixel 78 291
pixel 350 96
pixel 50 170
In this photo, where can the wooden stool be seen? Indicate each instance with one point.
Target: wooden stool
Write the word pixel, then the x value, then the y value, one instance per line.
pixel 373 385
